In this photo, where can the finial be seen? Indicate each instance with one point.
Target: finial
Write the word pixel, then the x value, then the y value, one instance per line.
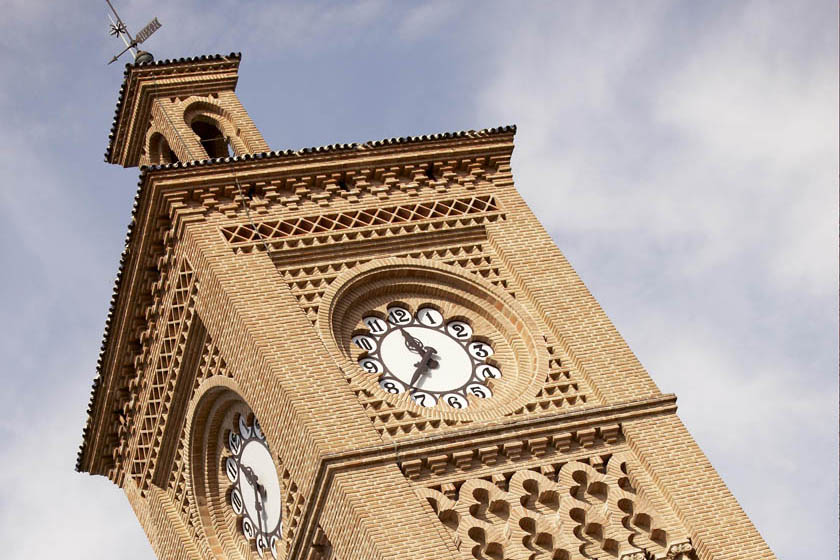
pixel 119 29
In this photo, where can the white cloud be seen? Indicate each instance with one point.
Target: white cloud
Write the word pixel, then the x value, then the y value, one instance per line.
pixel 422 19
pixel 691 177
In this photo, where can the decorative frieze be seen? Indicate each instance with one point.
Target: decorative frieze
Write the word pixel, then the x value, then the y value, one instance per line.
pixel 510 451
pixel 580 512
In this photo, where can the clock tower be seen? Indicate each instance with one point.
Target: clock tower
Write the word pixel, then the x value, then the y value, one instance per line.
pixel 370 351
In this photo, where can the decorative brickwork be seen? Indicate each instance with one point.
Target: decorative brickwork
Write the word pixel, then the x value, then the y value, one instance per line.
pixel 321 548
pixel 581 512
pixel 157 390
pixel 446 211
pixel 178 487
pixel 563 388
pixel 545 453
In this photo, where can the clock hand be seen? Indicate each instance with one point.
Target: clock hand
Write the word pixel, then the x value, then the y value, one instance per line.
pixel 259 493
pixel 423 365
pixel 416 345
pixel 412 343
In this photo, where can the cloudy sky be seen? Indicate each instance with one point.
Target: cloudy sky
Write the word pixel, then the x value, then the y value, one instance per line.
pixel 683 155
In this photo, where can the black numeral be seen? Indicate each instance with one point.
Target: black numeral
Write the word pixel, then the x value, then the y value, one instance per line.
pixel 398 316
pixel 454 402
pixel 390 387
pixel 247 528
pixel 232 469
pixel 374 326
pixel 370 366
pixel 480 350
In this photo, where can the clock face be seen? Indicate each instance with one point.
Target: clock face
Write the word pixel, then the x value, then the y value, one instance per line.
pixel 254 490
pixel 439 361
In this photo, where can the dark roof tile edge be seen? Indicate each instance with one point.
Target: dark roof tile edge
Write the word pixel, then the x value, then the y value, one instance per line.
pixel 334 148
pixel 97 381
pixel 165 62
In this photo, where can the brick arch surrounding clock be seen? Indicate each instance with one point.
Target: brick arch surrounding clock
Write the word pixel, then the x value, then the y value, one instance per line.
pixel 213 399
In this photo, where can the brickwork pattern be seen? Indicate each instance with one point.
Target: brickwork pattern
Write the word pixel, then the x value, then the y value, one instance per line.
pixel 576 512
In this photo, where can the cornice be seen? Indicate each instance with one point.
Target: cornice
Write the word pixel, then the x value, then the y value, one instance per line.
pixel 377 147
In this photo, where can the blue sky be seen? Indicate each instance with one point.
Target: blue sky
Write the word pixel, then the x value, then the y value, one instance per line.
pixel 683 155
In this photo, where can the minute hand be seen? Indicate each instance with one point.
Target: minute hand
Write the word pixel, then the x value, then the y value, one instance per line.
pixel 413 343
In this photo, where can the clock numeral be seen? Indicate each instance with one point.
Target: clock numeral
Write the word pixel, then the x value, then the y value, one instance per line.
pixel 429 316
pixel 262 545
pixel 370 365
pixel 455 401
pixel 459 330
pixel 424 399
pixel 258 430
pixel 231 469
pixel 236 502
pixel 364 342
pixel 479 350
pixel 244 428
pixel 273 546
pixel 248 528
pixel 375 325
pixel 488 372
pixel 479 391
pixel 392 386
pixel 399 316
pixel 234 443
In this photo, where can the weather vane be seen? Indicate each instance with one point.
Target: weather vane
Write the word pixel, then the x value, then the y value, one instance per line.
pixel 119 29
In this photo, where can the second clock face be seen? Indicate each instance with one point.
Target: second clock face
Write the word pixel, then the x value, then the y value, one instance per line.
pixel 255 488
pixel 438 361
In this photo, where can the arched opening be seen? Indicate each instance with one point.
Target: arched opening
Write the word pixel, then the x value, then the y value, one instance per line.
pixel 159 150
pixel 211 138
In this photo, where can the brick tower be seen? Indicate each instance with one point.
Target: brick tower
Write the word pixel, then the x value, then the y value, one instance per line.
pixel 370 351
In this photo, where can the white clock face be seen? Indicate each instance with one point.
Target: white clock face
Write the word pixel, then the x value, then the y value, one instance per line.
pixel 435 360
pixel 254 494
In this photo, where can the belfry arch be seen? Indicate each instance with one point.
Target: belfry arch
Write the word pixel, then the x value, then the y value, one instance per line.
pixel 215 128
pixel 160 153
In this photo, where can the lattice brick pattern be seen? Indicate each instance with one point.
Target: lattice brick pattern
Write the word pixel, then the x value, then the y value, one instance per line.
pixel 158 393
pixel 370 217
pixel 579 513
pixel 211 365
pixel 158 265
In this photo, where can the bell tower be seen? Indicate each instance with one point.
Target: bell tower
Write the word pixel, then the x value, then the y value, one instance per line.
pixel 168 113
pixel 370 351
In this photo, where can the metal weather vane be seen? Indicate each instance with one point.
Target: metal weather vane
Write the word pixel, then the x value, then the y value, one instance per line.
pixel 119 29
